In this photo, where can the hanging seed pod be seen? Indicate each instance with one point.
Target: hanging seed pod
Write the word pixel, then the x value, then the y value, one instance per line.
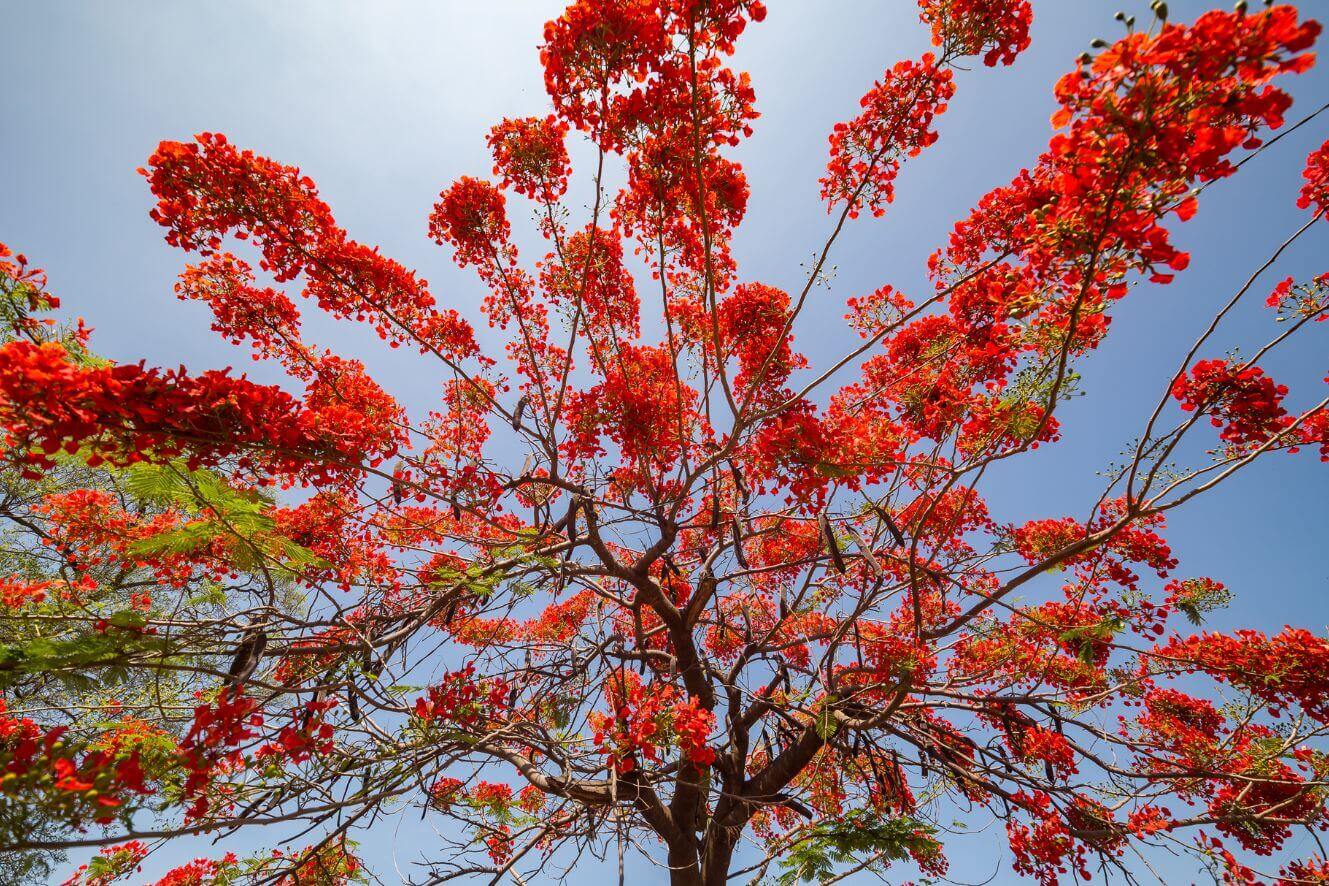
pixel 738 543
pixel 739 482
pixel 889 522
pixel 572 520
pixel 519 412
pixel 866 550
pixel 832 546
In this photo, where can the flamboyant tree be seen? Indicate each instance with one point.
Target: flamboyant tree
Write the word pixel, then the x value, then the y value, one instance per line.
pixel 748 616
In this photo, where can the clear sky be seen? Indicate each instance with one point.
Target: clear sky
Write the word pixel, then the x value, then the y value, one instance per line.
pixel 385 103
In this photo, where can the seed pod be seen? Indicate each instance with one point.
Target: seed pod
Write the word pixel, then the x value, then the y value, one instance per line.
pixel 572 520
pixel 832 546
pixel 866 550
pixel 738 543
pixel 520 410
pixel 738 481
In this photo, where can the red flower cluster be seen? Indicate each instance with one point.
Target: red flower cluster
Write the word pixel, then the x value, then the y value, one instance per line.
pixel 1137 542
pixel 127 414
pixel 24 287
pixel 752 321
pixel 1244 402
pixel 214 738
pixel 350 551
pixel 1315 431
pixel 460 701
pixel 676 207
pixel 1060 840
pixel 1310 299
pixel 200 872
pixel 896 123
pixel 638 405
pixel 530 157
pixel 471 217
pixel 208 189
pixel 643 718
pixel 330 864
pixel 496 796
pixel 1316 190
pixel 444 792
pixel 1030 742
pixel 998 30
pixel 1284 670
pixel 589 272
pixel 89 529
pixel 1252 793
pixel 612 69
pixel 110 864
pixel 560 622
pixel 15 593
pixel 648 78
pixel 308 734
pixel 594 46
pixel 498 843
pixel 693 725
pixel 1250 810
pixel 266 317
pixel 76 782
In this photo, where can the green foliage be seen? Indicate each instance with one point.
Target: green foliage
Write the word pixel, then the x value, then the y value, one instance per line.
pixel 826 725
pixel 858 836
pixel 1087 639
pixel 224 512
pixel 110 648
pixel 26 867
pixel 1198 597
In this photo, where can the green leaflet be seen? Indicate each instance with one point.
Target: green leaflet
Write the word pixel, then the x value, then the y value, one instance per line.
pixel 224 512
pixel 852 838
pixel 68 660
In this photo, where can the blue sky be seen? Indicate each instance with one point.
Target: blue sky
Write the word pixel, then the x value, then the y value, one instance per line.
pixel 383 104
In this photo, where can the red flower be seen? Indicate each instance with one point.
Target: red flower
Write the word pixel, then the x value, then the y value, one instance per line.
pixel 530 157
pixel 896 124
pixel 1244 402
pixel 996 29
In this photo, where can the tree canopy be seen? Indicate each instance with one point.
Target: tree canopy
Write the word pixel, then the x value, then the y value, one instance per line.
pixel 743 613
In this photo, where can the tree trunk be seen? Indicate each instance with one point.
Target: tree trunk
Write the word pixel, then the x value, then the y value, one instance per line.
pixel 683 867
pixel 712 869
pixel 716 857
